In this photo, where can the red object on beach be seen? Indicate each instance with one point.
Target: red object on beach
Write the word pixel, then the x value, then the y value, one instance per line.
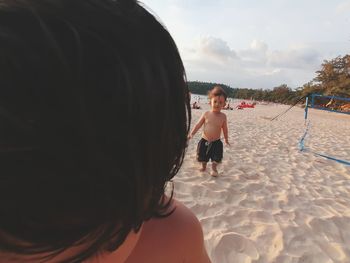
pixel 245 105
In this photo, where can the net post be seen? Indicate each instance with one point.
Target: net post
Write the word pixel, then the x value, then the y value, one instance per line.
pixel 306 108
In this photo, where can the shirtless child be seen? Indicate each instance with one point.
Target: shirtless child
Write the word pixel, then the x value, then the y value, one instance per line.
pixel 210 146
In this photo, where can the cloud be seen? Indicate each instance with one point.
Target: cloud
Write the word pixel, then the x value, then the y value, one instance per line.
pixel 255 55
pixel 343 7
pixel 213 59
pixel 294 58
pixel 272 72
pixel 259 46
pixel 258 55
pixel 217 49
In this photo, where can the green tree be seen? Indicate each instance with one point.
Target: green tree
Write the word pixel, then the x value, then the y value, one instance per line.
pixel 334 77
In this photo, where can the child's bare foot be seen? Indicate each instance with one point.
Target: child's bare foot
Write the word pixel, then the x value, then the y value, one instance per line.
pixel 202 169
pixel 204 166
pixel 214 173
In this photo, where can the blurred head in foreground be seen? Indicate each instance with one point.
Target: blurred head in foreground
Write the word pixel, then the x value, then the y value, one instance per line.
pixel 94 113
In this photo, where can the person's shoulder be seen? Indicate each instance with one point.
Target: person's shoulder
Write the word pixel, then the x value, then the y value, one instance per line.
pixel 189 234
pixel 181 224
pixel 185 221
pixel 178 236
pixel 205 114
pixel 223 115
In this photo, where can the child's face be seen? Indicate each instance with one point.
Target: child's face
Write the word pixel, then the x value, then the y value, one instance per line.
pixel 217 103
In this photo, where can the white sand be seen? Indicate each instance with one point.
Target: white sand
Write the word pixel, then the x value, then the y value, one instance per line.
pixel 271 202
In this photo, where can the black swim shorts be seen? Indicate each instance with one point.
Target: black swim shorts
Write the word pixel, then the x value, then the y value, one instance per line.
pixel 209 150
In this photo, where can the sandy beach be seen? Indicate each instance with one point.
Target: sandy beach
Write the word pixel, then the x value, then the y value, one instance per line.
pixel 271 202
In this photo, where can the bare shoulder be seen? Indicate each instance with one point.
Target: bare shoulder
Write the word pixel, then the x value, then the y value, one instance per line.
pixel 176 238
pixel 223 116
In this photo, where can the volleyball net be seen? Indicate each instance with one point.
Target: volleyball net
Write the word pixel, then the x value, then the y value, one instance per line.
pixel 327 103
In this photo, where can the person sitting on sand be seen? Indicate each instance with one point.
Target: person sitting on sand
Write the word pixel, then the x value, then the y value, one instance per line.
pixel 227 106
pixel 345 107
pixel 210 146
pixel 195 106
pixel 84 157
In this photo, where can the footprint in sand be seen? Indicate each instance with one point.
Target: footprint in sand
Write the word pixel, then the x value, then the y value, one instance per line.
pixel 235 246
pixel 250 177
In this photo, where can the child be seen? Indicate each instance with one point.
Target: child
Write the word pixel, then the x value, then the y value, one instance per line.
pixel 210 146
pixel 84 157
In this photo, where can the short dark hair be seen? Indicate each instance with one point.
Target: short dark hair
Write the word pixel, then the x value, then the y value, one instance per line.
pixel 217 91
pixel 94 115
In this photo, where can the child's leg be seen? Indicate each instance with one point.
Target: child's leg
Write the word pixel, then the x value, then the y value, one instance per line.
pixel 201 154
pixel 214 171
pixel 216 156
pixel 204 166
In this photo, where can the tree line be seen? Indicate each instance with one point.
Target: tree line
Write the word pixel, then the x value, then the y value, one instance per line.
pixel 333 79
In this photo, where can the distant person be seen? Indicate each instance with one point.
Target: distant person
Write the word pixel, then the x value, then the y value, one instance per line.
pixel 227 106
pixel 94 117
pixel 195 106
pixel 210 146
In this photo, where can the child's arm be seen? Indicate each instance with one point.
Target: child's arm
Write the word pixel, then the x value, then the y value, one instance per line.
pixel 225 131
pixel 197 126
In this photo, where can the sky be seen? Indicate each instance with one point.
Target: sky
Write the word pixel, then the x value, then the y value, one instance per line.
pixel 255 43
